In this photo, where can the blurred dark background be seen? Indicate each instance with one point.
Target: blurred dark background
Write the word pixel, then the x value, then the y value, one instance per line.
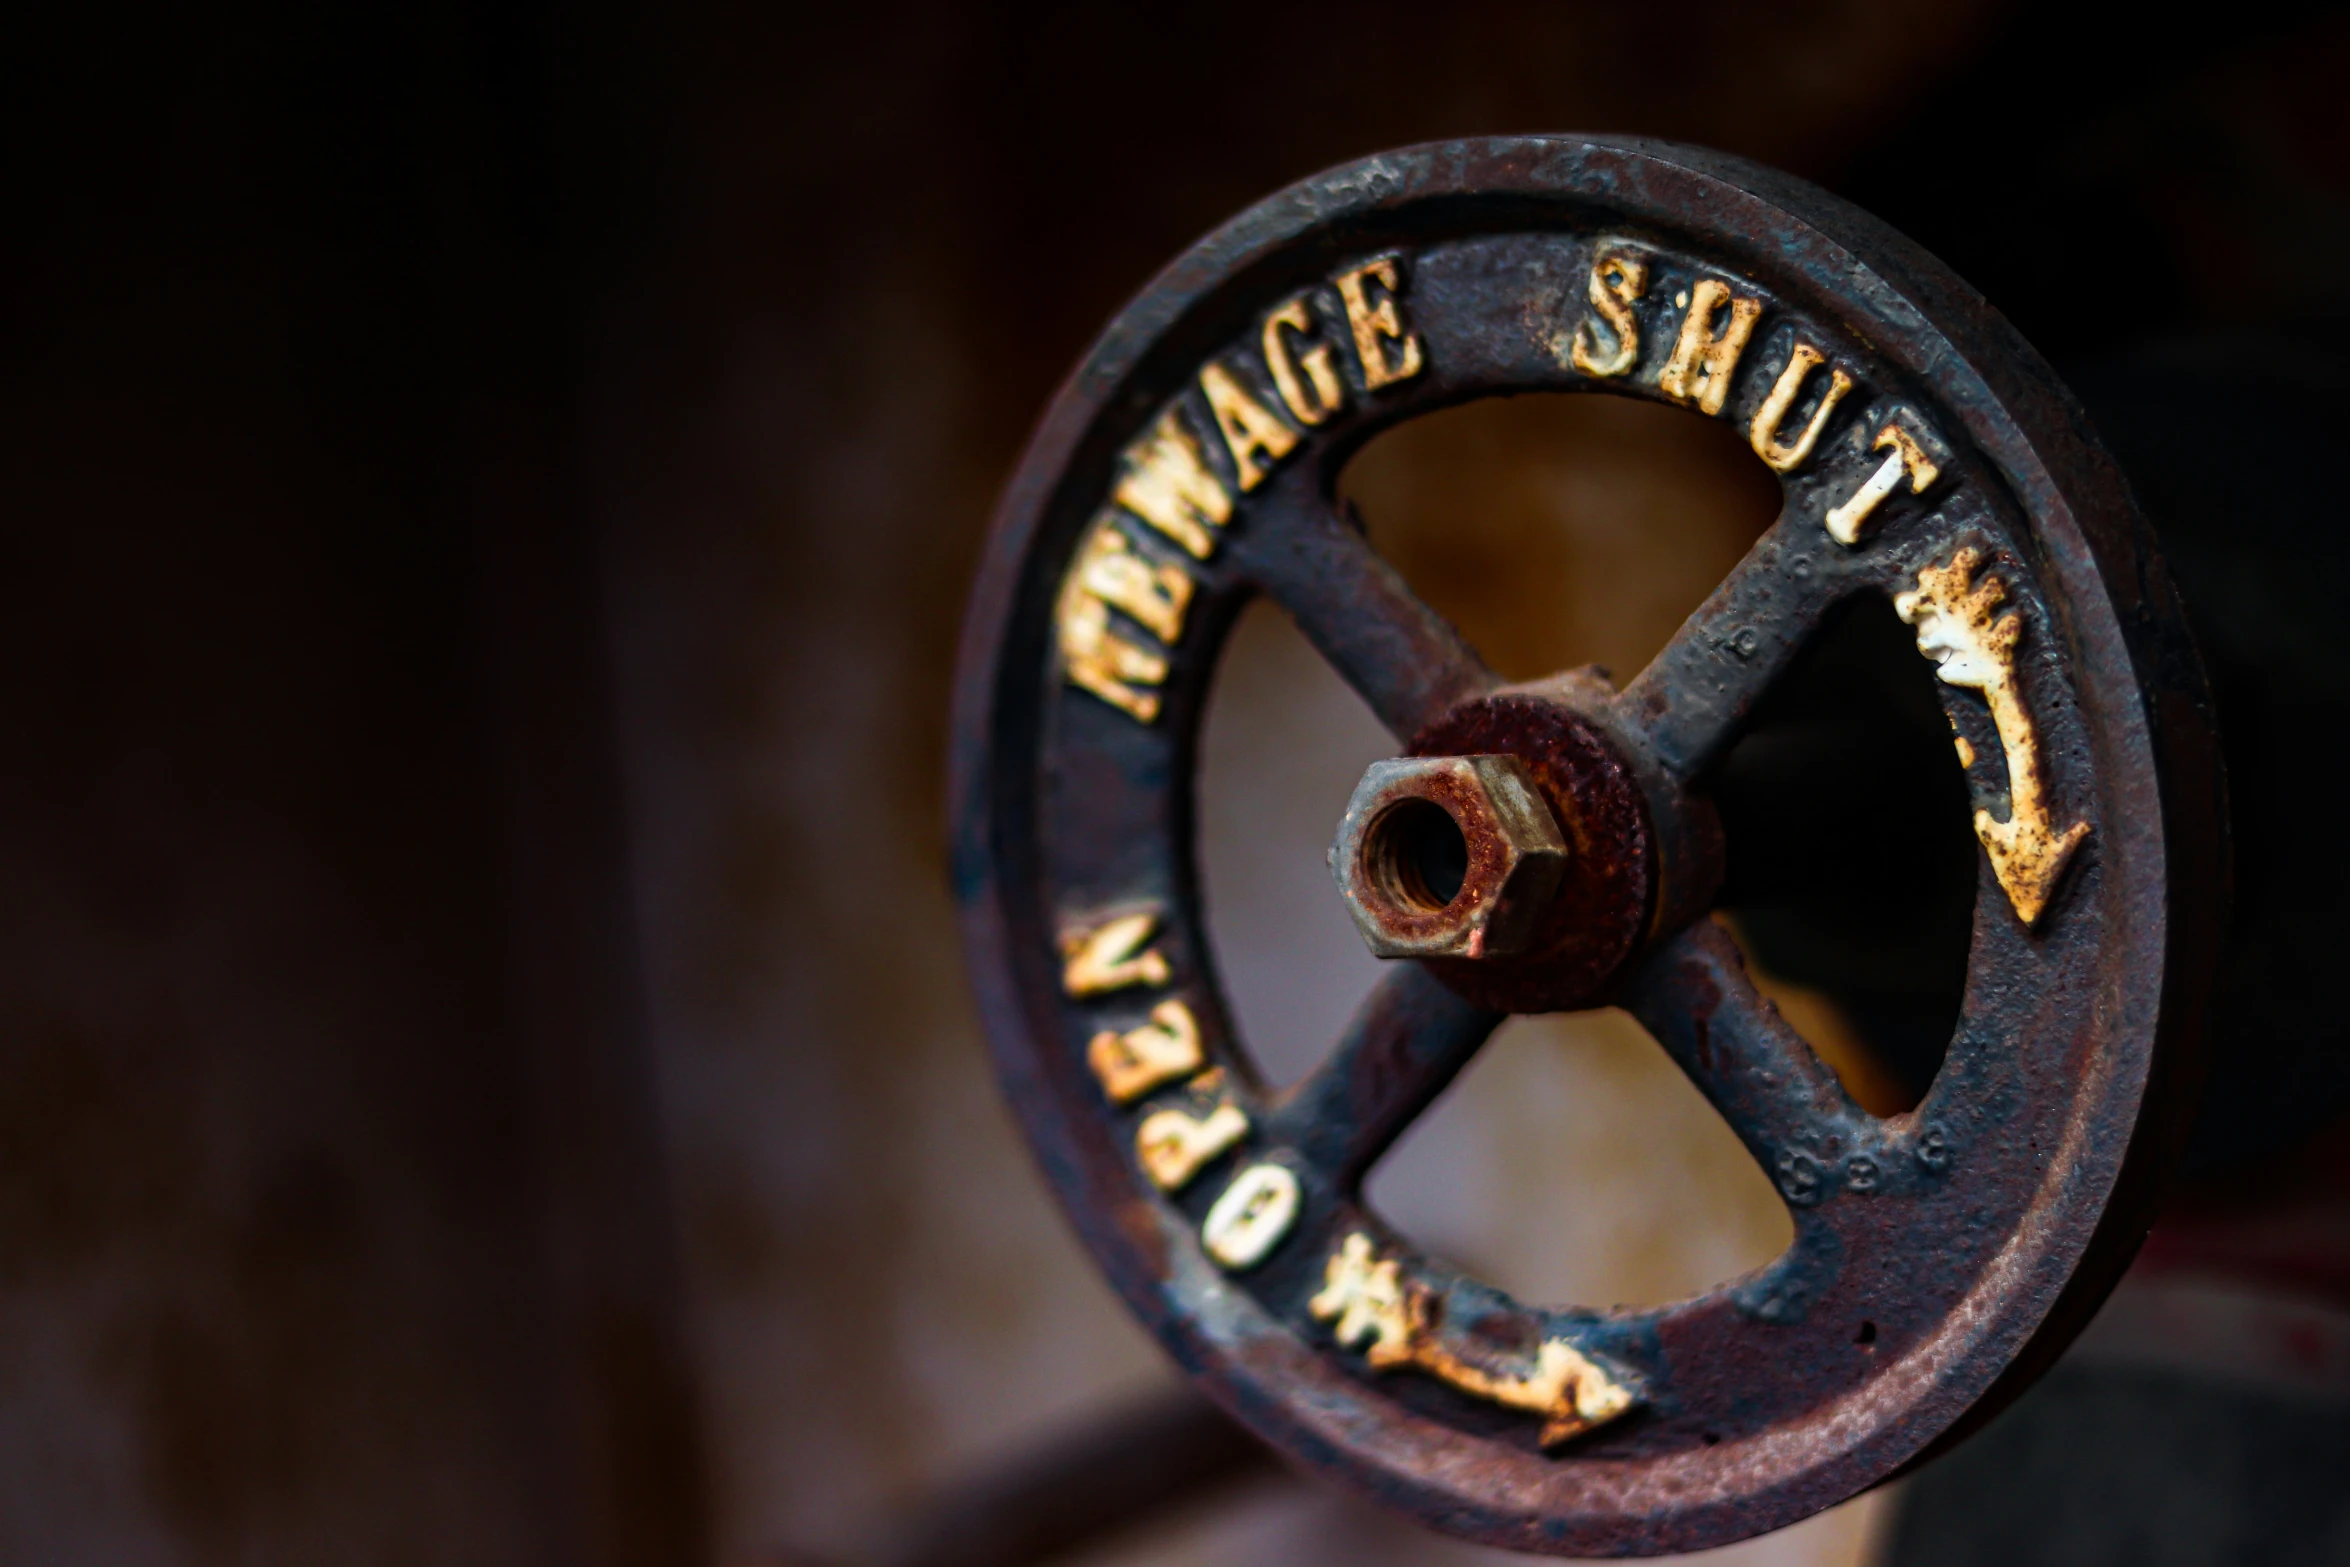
pixel 485 500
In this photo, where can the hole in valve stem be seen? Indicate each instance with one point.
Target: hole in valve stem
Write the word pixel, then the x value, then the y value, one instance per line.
pixel 1417 856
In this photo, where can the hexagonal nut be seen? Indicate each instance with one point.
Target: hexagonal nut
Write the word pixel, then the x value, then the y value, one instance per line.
pixel 1448 856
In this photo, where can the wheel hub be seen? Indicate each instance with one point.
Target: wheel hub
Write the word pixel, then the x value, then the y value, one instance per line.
pixel 1568 932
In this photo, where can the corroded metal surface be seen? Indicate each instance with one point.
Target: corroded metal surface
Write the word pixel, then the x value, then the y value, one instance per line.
pixel 1607 893
pixel 1941 1256
pixel 1448 856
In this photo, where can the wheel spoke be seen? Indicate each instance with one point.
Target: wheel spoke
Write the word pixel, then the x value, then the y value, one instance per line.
pixel 1404 659
pixel 1409 1039
pixel 1690 700
pixel 1784 1103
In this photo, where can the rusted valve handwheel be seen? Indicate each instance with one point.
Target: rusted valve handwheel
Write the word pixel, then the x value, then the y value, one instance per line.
pixel 1941 1257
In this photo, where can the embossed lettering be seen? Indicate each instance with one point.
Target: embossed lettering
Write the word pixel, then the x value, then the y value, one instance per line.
pixel 1909 457
pixel 1785 456
pixel 1699 371
pixel 1249 426
pixel 1156 596
pixel 1112 955
pixel 1108 573
pixel 1375 319
pixel 1161 1051
pixel 1320 364
pixel 1251 1218
pixel 1173 1145
pixel 1168 484
pixel 1618 278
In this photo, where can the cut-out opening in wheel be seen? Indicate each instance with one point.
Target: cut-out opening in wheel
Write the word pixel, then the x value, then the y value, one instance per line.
pixel 1561 529
pixel 1573 1163
pixel 1282 742
pixel 1851 862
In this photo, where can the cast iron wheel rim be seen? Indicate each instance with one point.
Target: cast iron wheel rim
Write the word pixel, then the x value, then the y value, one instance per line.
pixel 1975 1235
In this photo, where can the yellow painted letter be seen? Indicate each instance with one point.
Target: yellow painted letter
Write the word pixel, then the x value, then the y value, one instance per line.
pixel 1112 955
pixel 1700 369
pixel 1131 1064
pixel 1249 426
pixel 1174 1144
pixel 1846 521
pixel 1320 365
pixel 1252 1216
pixel 1764 433
pixel 1107 573
pixel 1169 486
pixel 1618 277
pixel 1373 320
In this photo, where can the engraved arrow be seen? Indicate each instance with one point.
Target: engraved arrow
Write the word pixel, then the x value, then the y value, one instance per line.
pixel 1364 1296
pixel 1960 630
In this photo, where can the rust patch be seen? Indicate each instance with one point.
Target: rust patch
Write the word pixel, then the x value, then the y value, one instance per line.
pixel 1607 887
